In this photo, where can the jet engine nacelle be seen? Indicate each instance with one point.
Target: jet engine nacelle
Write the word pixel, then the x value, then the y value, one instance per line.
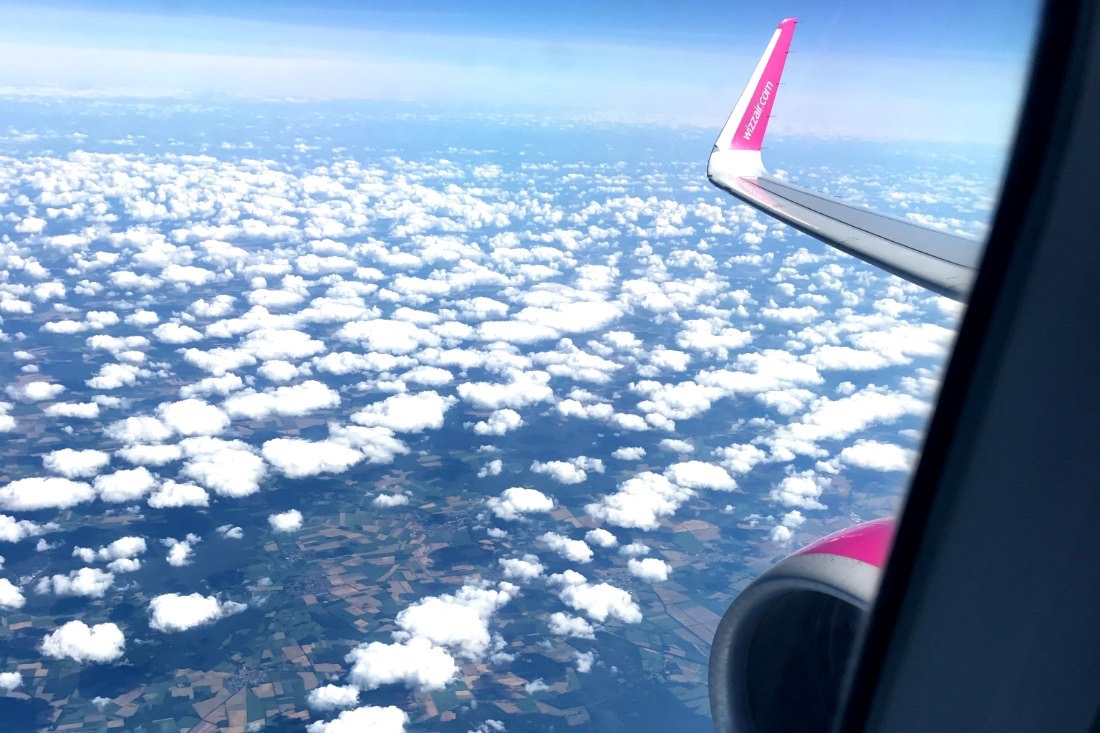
pixel 781 650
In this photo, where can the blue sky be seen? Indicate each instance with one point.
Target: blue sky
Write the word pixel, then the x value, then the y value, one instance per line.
pixel 938 72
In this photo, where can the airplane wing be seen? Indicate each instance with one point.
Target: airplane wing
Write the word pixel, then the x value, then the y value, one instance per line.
pixel 942 262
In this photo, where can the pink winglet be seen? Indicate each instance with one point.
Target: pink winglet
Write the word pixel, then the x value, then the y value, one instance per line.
pixel 749 134
pixel 868 542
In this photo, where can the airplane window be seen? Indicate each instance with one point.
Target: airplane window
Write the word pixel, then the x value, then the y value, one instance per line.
pixel 401 370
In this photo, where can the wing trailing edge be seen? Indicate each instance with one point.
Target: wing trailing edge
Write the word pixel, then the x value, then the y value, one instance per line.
pixel 942 262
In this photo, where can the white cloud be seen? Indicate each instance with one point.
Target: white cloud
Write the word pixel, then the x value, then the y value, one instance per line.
pixel 526 568
pixel 634 549
pixel 574 550
pixel 125 485
pixel 175 333
pixel 84 410
pixel 333 697
pixel 288 521
pixel 13 530
pixel 193 417
pixel 180 552
pixel 649 568
pixel 173 612
pixel 82 643
pixel 30 494
pixel 563 624
pixel 585 660
pixel 230 532
pixel 90 582
pixel 700 475
pixel 571 471
pixel 122 548
pixel 10 681
pixel 601 537
pixel 10 595
pixel 629 453
pixel 299 399
pixel 172 495
pixel 139 429
pixel 492 468
pixel 416 663
pixel 513 503
pixel 499 422
pixel 780 534
pixel 389 719
pixel 385 501
pixel 458 621
pixel 228 468
pixel 36 391
pixel 599 601
pixel 76 463
pixel 640 502
pixel 407 413
pixel 876 456
pixel 296 458
pixel 799 489
pixel 524 388
pixel 379 445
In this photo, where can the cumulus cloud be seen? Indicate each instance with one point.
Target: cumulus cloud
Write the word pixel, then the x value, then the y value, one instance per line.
pixel 90 582
pixel 36 391
pixel 139 429
pixel 876 456
pixel 524 388
pixel 296 458
pixel 172 495
pixel 649 568
pixel 600 537
pixel 385 501
pixel 700 475
pixel 499 422
pixel 378 445
pixel 333 697
pixel 387 719
pixel 125 485
pixel 571 471
pixel 172 612
pixel 800 489
pixel 30 494
pixel 416 663
pixel 295 401
pixel 10 681
pixel 175 333
pixel 563 624
pixel 635 453
pixel 513 503
pixel 76 463
pixel 599 601
pixel 527 567
pixel 492 468
pixel 406 413
pixel 180 551
pixel 13 530
pixel 574 550
pixel 640 502
pixel 228 468
pixel 458 621
pixel 193 417
pixel 10 595
pixel 82 643
pixel 288 521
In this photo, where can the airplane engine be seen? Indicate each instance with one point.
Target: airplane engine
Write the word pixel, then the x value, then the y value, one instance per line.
pixel 781 650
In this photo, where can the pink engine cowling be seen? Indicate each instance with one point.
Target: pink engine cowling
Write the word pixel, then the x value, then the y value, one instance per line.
pixel 780 654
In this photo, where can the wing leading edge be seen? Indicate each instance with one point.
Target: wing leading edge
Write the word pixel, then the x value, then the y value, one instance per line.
pixel 944 263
